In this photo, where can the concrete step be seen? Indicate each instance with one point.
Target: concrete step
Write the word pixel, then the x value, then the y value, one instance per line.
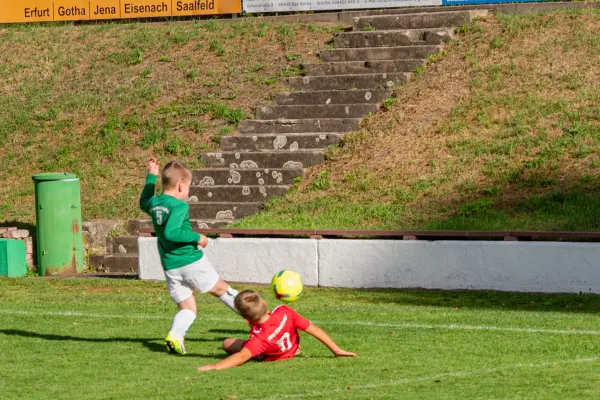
pixel 238 193
pixel 223 211
pixel 317 111
pixel 122 244
pixel 417 21
pixel 210 223
pixel 136 224
pixel 364 81
pixel 379 53
pixel 362 67
pixel 282 126
pixel 405 37
pixel 332 97
pixel 114 262
pixel 263 159
pixel 226 176
pixel 273 142
pixel 347 18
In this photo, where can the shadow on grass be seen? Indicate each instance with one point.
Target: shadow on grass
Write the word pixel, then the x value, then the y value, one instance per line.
pixel 230 331
pixel 487 299
pixel 153 344
pixel 572 205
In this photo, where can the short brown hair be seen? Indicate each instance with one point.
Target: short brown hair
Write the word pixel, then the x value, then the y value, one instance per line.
pixel 250 305
pixel 173 173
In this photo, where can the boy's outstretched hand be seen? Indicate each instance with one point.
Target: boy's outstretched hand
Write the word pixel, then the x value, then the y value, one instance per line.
pixel 344 353
pixel 153 166
pixel 203 242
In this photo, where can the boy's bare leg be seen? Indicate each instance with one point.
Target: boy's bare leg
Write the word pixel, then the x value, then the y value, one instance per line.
pixel 225 293
pixel 231 345
pixel 188 304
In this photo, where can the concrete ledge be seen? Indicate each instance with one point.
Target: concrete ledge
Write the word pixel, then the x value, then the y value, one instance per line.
pixel 149 267
pixel 244 260
pixel 508 266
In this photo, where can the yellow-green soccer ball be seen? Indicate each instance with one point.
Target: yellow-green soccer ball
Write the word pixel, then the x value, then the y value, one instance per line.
pixel 287 285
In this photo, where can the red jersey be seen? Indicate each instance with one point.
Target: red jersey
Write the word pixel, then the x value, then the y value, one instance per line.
pixel 278 337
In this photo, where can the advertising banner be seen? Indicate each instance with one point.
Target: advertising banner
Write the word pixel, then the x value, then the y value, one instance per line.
pixel 467 2
pixel 261 6
pixel 78 10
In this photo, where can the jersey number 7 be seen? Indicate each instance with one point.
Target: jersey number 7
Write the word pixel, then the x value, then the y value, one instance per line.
pixel 284 342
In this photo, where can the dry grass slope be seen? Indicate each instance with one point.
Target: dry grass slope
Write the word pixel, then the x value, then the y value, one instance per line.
pixel 502 131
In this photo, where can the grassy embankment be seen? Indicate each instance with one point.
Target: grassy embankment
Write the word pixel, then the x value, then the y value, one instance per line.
pixel 98 99
pixel 500 132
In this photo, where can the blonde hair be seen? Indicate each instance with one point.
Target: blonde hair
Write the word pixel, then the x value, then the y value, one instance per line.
pixel 250 305
pixel 173 173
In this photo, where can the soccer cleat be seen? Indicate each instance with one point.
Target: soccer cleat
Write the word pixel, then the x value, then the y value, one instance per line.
pixel 174 345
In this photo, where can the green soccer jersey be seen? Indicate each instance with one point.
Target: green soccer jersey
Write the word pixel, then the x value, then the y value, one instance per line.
pixel 177 243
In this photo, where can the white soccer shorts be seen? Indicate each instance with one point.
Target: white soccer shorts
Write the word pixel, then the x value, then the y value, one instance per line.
pixel 182 282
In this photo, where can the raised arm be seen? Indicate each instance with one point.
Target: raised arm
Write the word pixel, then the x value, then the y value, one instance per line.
pixel 233 360
pixel 148 192
pixel 324 338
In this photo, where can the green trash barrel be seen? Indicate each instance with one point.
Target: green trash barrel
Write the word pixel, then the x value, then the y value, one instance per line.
pixel 58 223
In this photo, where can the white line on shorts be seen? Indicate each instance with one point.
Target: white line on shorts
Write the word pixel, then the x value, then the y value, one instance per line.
pixel 350 323
pixel 457 374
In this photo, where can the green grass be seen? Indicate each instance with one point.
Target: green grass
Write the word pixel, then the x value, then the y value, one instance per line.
pixel 103 339
pixel 98 99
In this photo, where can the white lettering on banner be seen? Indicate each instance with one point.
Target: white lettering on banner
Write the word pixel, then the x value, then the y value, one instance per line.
pixel 259 6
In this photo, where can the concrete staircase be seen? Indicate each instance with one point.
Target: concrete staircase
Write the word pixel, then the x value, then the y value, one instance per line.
pixel 121 256
pixel 377 55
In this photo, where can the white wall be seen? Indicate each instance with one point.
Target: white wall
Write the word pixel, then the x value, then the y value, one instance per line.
pixel 509 266
pixel 244 260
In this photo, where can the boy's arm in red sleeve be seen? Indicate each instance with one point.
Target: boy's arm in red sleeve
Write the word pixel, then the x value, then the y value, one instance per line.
pixel 299 321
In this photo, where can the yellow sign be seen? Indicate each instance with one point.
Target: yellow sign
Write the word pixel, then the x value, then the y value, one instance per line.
pixel 105 9
pixel 146 8
pixel 80 10
pixel 68 10
pixel 30 11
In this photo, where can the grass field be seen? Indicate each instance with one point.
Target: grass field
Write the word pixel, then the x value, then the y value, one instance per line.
pixel 102 339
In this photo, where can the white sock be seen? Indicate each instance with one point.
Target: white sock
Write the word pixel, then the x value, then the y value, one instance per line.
pixel 229 297
pixel 182 322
